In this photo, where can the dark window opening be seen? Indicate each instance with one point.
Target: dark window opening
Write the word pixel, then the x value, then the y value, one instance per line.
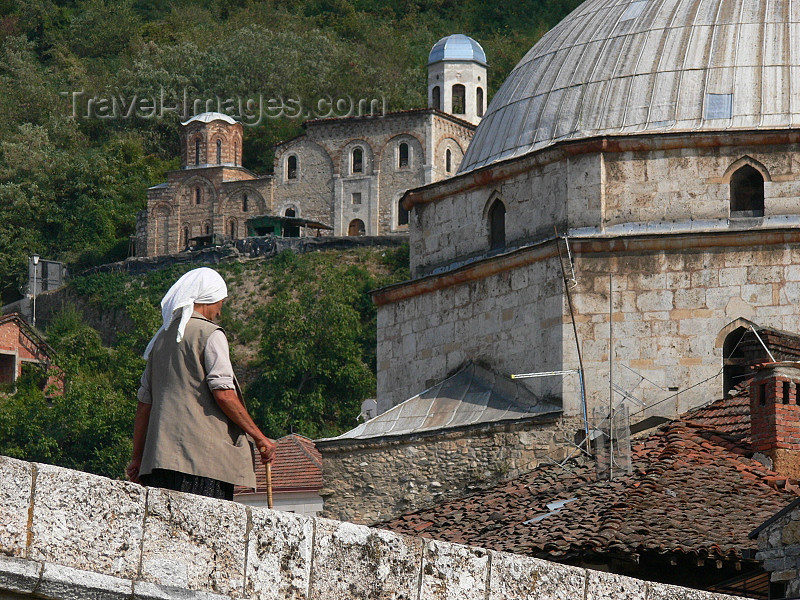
pixel 403 158
pixel 291 167
pixel 358 161
pixel 197 151
pixel 219 152
pixel 448 161
pixel 497 226
pixel 233 230
pixel 785 394
pixel 185 240
pixel 236 154
pixel 459 99
pixel 8 368
pixel 291 230
pixel 356 198
pixel 747 193
pixel 197 196
pixel 356 228
pixel 208 229
pixel 402 213
pixel 244 203
pixel 290 212
pixel 735 365
pixel 436 98
pixel 762 394
pixel 479 101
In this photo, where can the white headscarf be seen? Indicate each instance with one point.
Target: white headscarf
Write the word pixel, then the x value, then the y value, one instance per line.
pixel 199 286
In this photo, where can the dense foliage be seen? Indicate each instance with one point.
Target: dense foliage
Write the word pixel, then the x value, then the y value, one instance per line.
pixel 70 187
pixel 302 332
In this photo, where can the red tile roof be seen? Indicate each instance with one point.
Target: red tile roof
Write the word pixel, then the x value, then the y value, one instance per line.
pixel 693 490
pixel 297 467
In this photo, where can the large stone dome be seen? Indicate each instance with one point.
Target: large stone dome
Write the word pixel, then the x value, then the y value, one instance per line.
pixel 617 67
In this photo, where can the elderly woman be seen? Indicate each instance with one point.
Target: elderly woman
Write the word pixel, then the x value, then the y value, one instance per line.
pixel 191 427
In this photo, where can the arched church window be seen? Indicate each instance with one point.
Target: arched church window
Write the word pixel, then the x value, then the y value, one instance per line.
pixel 459 97
pixel 197 196
pixel 448 161
pixel 232 229
pixel 219 152
pixel 497 225
pixel 402 213
pixel 402 161
pixel 185 238
pixel 197 151
pixel 357 163
pixel 436 98
pixel 244 203
pixel 207 229
pixel 479 101
pixel 356 228
pixel 735 367
pixel 747 193
pixel 291 167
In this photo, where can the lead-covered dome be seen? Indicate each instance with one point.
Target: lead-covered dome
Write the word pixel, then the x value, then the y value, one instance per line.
pixel 615 67
pixel 457 47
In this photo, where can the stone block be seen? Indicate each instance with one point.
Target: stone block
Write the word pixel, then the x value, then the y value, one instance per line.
pixel 279 555
pixel 15 498
pixel 352 561
pixel 453 572
pixel 19 575
pixel 86 521
pixel 194 542
pixel 66 583
pixel 609 586
pixel 143 590
pixel 515 577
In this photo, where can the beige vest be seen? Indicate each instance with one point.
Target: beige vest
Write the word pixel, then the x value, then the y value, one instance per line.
pixel 188 432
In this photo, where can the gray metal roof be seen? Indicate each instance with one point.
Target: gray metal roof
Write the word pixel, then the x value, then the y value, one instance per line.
pixel 207 117
pixel 472 396
pixel 616 67
pixel 457 47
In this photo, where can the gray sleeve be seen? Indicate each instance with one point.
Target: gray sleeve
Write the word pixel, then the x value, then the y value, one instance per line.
pixel 219 371
pixel 144 386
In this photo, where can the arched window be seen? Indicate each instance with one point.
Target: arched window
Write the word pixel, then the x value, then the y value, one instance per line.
pixel 402 213
pixel 459 97
pixel 232 229
pixel 291 167
pixel 356 228
pixel 197 151
pixel 479 101
pixel 747 193
pixel 735 366
pixel 290 212
pixel 357 161
pixel 208 229
pixel 244 203
pixel 198 197
pixel 236 154
pixel 185 239
pixel 291 230
pixel 497 225
pixel 219 152
pixel 402 161
pixel 436 98
pixel 448 161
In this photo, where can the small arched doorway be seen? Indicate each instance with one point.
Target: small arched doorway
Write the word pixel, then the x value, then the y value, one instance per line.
pixel 735 366
pixel 356 228
pixel 290 230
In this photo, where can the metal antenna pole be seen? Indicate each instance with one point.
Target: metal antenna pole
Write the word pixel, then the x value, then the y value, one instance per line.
pixel 575 332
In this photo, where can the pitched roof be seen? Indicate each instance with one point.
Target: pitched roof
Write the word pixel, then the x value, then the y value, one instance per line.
pixel 472 396
pixel 297 467
pixel 693 489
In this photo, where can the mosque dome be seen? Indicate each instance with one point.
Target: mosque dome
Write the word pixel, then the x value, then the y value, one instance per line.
pixel 457 47
pixel 620 67
pixel 207 117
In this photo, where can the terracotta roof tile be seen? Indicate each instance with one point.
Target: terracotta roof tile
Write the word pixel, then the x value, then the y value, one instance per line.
pixel 297 467
pixel 692 490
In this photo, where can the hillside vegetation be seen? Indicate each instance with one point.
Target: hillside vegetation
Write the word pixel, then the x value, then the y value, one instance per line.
pixel 70 186
pixel 302 332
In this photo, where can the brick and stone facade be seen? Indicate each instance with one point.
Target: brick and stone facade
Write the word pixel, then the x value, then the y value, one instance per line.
pixel 775 416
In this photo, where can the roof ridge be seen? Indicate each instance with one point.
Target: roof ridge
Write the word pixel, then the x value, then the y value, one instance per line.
pixel 305 451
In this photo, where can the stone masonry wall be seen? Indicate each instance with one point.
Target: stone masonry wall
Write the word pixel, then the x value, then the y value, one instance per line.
pixel 66 535
pixel 368 482
pixel 672 296
pixel 779 548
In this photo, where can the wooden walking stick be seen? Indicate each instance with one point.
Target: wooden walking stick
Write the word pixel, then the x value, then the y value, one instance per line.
pixel 269 485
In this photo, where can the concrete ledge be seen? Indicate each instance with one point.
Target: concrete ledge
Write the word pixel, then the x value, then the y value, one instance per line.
pixel 66 535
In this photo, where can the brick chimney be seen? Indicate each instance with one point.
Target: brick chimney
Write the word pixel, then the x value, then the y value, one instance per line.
pixel 775 415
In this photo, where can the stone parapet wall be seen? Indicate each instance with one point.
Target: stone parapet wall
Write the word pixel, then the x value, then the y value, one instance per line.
pixel 375 480
pixel 66 535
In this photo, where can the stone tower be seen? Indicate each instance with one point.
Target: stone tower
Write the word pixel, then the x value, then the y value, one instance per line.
pixel 457 77
pixel 211 140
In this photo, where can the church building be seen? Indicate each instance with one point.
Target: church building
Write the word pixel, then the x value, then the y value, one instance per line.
pixel 349 173
pixel 651 148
